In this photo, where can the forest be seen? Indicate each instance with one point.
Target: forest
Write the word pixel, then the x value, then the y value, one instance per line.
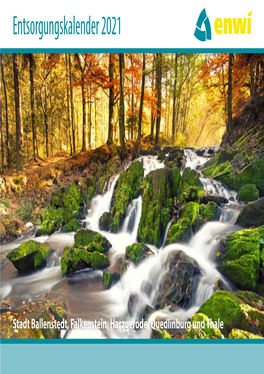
pixel 53 103
pixel 132 190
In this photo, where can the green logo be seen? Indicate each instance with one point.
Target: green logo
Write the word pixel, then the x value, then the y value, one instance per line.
pixel 206 34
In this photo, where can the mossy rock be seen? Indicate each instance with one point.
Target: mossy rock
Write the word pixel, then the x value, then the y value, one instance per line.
pixel 190 178
pixel 137 252
pixel 98 261
pixel 91 241
pixel 252 174
pixel 199 214
pixel 126 190
pixel 180 232
pixel 248 193
pixel 104 221
pixel 73 225
pixel 160 334
pixel 201 330
pixel 74 259
pixel 240 334
pixel 191 212
pixel 241 260
pixel 194 194
pixel 252 215
pixel 109 279
pixel 29 256
pixel 233 312
pixel 72 198
pixel 223 172
pixel 88 190
pixel 159 189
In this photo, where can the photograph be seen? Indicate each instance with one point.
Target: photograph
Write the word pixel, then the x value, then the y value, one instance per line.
pixel 132 193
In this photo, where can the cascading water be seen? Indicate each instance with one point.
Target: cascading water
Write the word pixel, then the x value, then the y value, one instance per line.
pixel 83 293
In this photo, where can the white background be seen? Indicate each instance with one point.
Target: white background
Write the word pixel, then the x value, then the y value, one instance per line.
pixel 144 23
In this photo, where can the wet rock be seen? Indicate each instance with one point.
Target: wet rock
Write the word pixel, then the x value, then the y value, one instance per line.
pixel 248 193
pixel 159 190
pixel 200 330
pixel 252 215
pixel 109 279
pixel 220 285
pixel 177 285
pixel 233 312
pixel 75 259
pixel 91 241
pixel 241 259
pixel 29 256
pixel 147 312
pixel 126 190
pixel 132 304
pixel 180 232
pixel 190 178
pixel 138 252
pixel 219 200
pixel 104 222
pixel 211 151
pixel 146 287
pixel 200 152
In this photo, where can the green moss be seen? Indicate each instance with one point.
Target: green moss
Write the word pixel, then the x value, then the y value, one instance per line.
pixel 74 259
pixel 73 225
pixel 126 190
pixel 107 280
pixel 137 252
pixel 72 198
pixel 190 178
pixel 28 256
pixel 248 193
pixel 252 174
pixel 194 194
pixel 226 306
pixel 191 212
pixel 208 212
pixel 241 261
pixel 160 334
pixel 91 241
pixel 201 330
pixel 179 232
pixel 240 334
pixel 159 189
pixel 223 172
pixel 104 221
pixel 98 261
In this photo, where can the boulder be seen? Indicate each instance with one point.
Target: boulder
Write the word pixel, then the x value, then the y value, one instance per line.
pixel 233 312
pixel 91 241
pixel 73 225
pixel 252 215
pixel 200 329
pixel 159 190
pixel 219 200
pixel 190 178
pixel 29 256
pixel 109 279
pixel 177 285
pixel 104 221
pixel 180 232
pixel 138 252
pixel 146 287
pixel 248 193
pixel 240 261
pixel 132 304
pixel 75 259
pixel 193 194
pixel 125 191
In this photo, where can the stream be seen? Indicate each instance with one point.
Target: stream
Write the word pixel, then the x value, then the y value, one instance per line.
pixel 83 293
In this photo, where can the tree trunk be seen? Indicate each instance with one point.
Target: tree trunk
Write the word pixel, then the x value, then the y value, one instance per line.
pixel 230 94
pixel 6 116
pixel 152 105
pixel 174 97
pixel 159 78
pixel 84 118
pixel 141 100
pixel 111 99
pixel 2 133
pixel 32 101
pixel 46 123
pixel 72 106
pixel 122 105
pixel 68 101
pixel 18 119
